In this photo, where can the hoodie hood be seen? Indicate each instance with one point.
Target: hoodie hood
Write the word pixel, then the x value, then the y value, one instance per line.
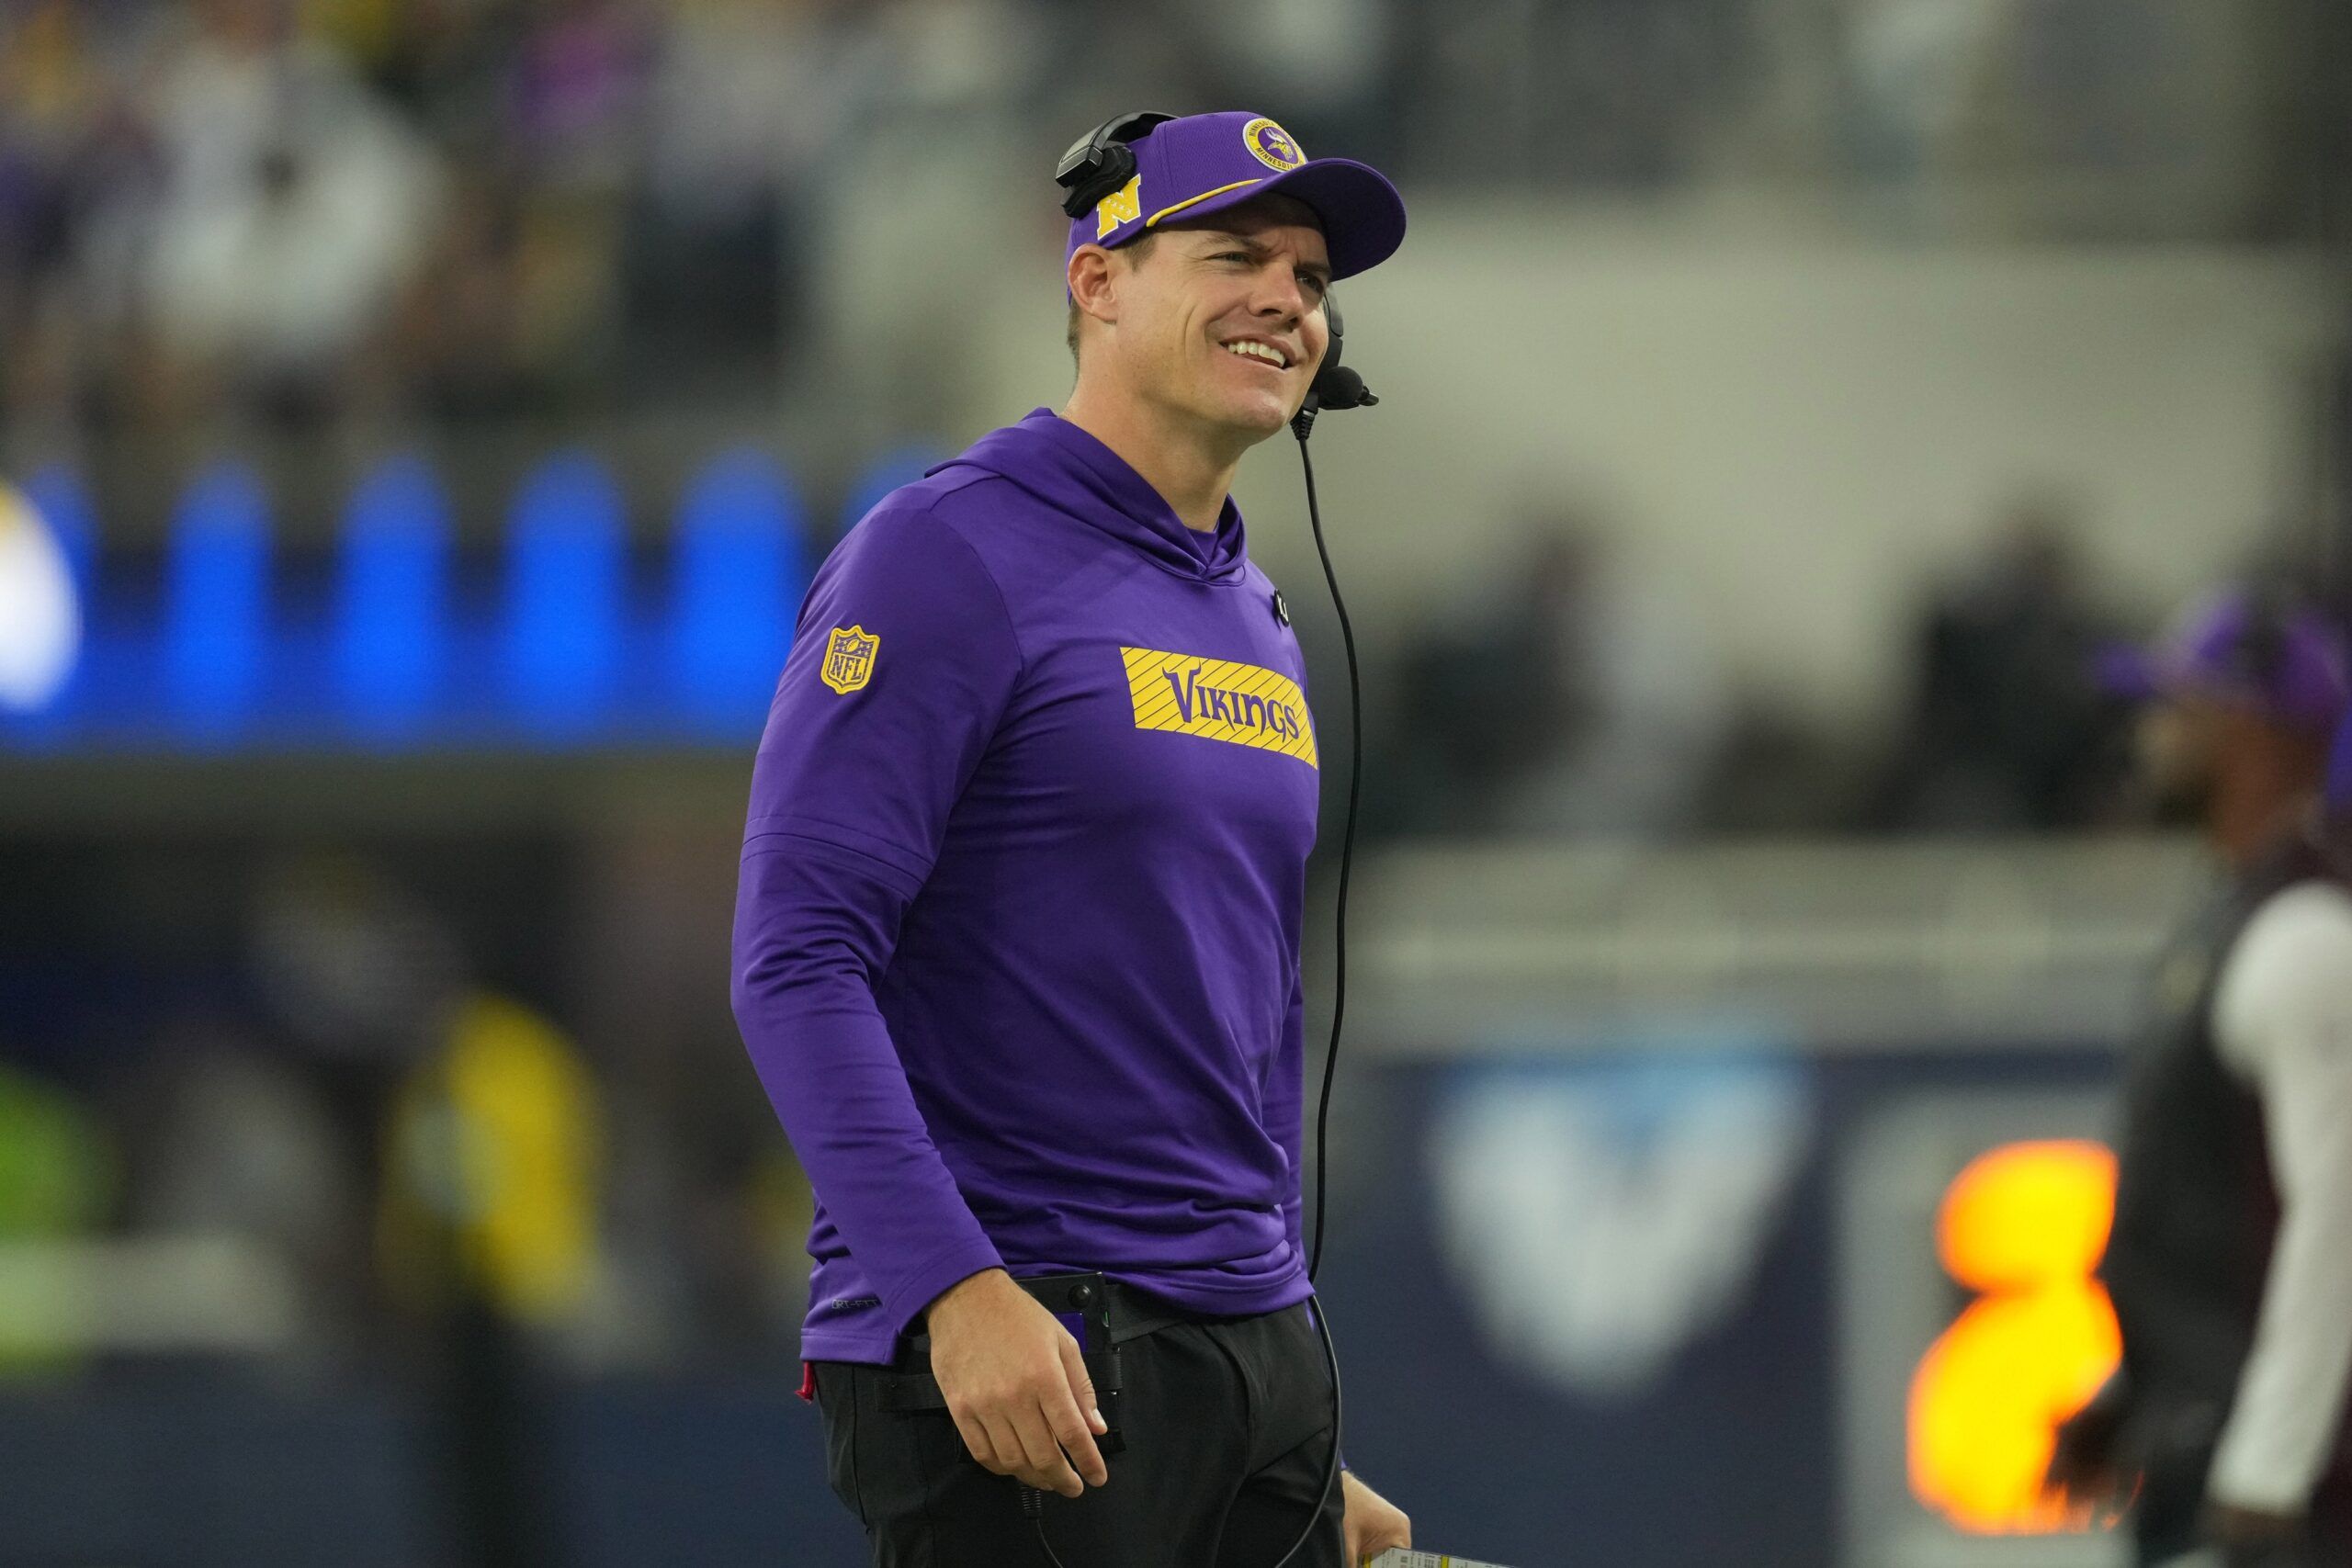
pixel 1071 471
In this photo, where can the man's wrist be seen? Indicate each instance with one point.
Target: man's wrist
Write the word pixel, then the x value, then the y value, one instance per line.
pixel 979 1283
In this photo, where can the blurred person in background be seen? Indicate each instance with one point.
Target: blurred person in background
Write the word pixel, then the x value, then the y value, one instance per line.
pixel 296 203
pixel 2006 728
pixel 80 165
pixel 2230 1262
pixel 1017 930
pixel 746 98
pixel 481 1129
pixel 229 1135
pixel 1570 695
pixel 931 106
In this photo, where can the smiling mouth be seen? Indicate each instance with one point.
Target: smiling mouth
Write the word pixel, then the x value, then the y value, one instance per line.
pixel 1259 353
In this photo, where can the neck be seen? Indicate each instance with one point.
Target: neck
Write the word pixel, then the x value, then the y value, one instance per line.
pixel 1190 465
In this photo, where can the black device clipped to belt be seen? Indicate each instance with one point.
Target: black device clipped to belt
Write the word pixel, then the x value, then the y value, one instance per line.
pixel 1095 164
pixel 1084 1304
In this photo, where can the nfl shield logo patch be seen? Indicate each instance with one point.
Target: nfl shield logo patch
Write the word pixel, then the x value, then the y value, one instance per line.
pixel 849 658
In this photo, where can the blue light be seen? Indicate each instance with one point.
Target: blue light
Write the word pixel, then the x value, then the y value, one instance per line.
pixel 565 562
pixel 216 600
pixel 389 636
pixel 737 572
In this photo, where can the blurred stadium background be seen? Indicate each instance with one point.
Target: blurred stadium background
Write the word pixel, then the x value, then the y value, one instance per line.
pixel 421 417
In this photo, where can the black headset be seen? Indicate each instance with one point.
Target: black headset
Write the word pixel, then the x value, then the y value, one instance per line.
pixel 1104 159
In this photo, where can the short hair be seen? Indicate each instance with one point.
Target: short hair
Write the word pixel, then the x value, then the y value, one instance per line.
pixel 1134 250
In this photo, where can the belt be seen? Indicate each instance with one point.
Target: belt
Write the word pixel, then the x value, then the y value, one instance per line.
pixel 1133 1313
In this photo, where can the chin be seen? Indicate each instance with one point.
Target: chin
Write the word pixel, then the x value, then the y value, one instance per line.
pixel 1259 416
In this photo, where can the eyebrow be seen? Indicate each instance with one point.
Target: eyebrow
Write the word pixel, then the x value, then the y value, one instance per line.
pixel 1259 249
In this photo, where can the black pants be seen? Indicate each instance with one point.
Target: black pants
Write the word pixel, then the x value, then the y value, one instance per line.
pixel 1227 1424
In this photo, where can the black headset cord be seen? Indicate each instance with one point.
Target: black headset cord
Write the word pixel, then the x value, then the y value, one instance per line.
pixel 1302 426
pixel 1033 1500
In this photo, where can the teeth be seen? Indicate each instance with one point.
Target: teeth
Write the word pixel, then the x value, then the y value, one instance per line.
pixel 1259 351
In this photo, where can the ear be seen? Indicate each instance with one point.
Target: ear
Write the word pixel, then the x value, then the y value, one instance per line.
pixel 1093 283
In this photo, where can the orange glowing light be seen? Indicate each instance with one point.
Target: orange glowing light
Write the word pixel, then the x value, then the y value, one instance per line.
pixel 2023 1226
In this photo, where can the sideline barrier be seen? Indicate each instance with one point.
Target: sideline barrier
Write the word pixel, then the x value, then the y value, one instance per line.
pixel 739 570
pixel 390 616
pixel 560 637
pixel 216 613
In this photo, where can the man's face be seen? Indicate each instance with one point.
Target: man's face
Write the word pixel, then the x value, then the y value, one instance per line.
pixel 1202 317
pixel 2178 751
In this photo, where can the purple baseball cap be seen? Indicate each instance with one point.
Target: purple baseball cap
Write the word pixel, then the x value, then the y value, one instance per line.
pixel 2210 651
pixel 1204 163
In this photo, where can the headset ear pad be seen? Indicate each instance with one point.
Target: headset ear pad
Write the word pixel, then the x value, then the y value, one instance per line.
pixel 1333 388
pixel 1101 161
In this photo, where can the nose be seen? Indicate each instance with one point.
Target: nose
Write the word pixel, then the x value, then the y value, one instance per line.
pixel 1284 303
pixel 1279 293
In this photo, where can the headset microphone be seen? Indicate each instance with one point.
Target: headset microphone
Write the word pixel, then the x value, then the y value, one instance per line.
pixel 1340 387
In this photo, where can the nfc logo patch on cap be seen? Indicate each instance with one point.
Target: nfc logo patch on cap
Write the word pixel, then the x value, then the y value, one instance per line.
pixel 1271 145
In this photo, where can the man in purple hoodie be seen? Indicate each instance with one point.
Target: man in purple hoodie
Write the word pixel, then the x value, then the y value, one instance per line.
pixel 1017 935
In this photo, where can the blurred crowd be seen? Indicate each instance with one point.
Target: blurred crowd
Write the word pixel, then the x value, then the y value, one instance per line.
pixel 437 211
pixel 434 211
pixel 448 210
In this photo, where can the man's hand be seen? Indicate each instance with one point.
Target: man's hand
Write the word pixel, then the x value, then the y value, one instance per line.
pixel 1374 1523
pixel 1016 1383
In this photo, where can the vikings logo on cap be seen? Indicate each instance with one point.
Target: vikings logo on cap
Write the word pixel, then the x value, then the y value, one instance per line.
pixel 1271 145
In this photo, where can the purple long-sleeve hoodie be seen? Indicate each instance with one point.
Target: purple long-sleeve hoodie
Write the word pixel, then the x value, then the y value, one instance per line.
pixel 1017 933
